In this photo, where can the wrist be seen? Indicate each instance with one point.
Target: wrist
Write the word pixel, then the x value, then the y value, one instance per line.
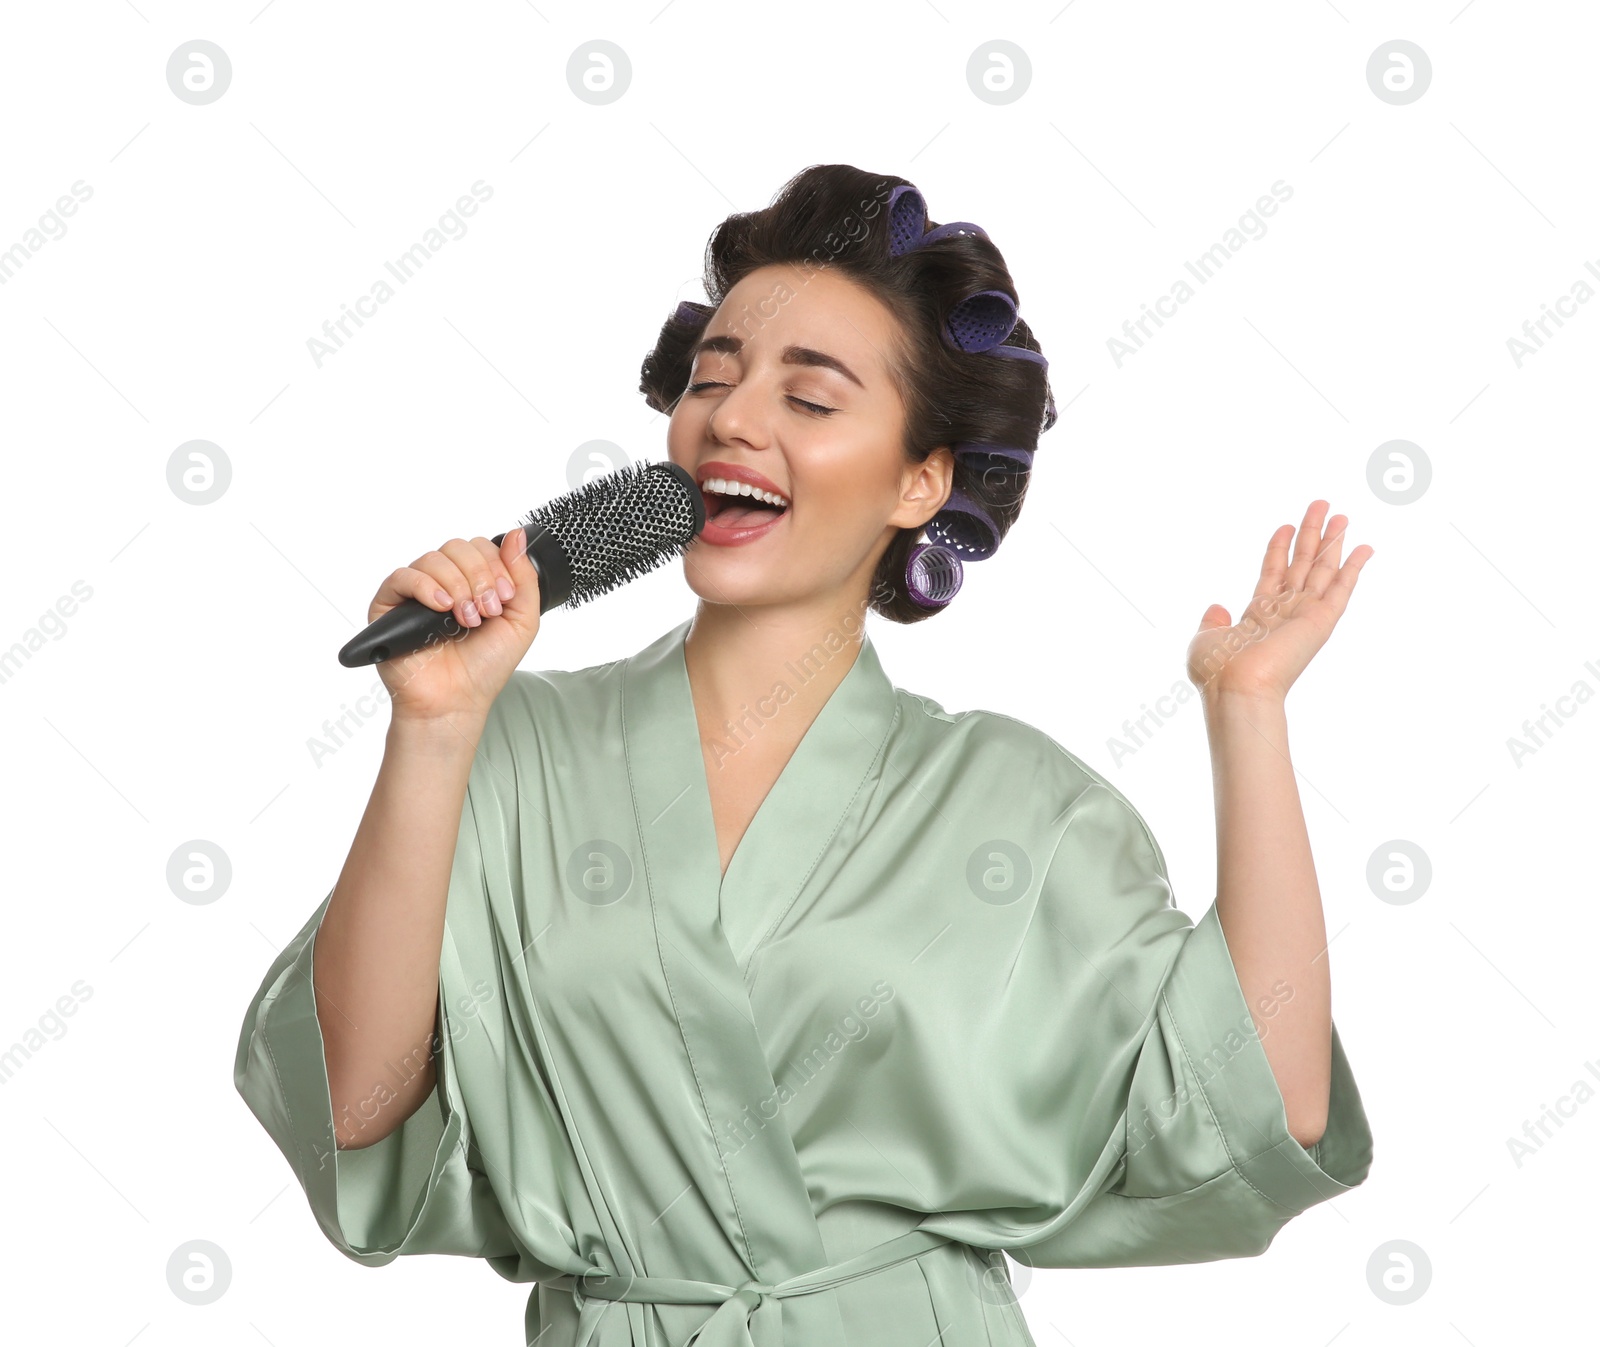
pixel 1224 702
pixel 449 735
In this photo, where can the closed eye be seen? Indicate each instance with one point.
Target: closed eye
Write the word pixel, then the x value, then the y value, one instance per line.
pixel 810 406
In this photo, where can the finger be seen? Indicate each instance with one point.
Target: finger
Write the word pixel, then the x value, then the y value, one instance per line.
pixel 476 567
pixel 514 574
pixel 444 564
pixel 1275 565
pixel 1325 565
pixel 524 574
pixel 1337 595
pixel 503 583
pixel 1307 542
pixel 411 582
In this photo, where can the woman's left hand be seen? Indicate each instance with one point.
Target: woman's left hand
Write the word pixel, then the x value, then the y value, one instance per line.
pixel 1290 616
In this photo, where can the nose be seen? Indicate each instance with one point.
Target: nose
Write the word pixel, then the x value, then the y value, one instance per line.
pixel 740 416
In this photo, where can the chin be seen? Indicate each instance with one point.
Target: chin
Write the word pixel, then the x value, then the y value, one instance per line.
pixel 751 592
pixel 735 577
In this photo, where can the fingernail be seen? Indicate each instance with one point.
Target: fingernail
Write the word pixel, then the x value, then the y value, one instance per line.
pixel 505 588
pixel 490 602
pixel 471 610
pixel 442 597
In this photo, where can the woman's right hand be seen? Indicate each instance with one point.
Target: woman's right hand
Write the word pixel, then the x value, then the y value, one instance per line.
pixel 461 675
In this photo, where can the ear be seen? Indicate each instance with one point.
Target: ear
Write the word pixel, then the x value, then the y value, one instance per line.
pixel 925 487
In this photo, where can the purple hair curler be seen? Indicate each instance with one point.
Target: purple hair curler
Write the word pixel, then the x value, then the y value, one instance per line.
pixel 981 321
pixel 908 217
pixel 933 575
pixel 1020 353
pixel 1023 457
pixel 965 528
pixel 908 223
pixel 1023 353
pixel 954 230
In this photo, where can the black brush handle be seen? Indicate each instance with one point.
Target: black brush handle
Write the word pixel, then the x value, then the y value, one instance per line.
pixel 409 625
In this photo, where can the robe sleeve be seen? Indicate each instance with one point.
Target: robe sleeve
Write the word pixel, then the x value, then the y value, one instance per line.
pixel 1171 1142
pixel 419 1190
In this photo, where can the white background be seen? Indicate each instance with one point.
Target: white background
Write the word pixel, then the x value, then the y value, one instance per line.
pixel 176 703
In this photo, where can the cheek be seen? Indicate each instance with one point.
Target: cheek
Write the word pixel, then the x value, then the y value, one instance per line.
pixel 845 499
pixel 684 427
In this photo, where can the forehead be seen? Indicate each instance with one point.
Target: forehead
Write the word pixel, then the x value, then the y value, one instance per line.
pixel 818 307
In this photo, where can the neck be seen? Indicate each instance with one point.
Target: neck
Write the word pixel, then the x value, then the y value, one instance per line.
pixel 737 656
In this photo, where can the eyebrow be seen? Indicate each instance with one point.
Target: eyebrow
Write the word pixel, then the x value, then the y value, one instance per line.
pixel 792 355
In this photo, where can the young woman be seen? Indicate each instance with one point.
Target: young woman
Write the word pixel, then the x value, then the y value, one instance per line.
pixel 736 996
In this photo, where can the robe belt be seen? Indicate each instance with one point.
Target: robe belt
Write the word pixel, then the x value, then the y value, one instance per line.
pixel 746 1314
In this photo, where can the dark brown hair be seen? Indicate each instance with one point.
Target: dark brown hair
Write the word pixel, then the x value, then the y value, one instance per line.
pixel 836 215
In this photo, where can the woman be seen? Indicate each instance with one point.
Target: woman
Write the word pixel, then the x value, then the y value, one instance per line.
pixel 734 995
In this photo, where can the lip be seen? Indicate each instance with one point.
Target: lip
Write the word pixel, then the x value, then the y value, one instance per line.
pixel 719 535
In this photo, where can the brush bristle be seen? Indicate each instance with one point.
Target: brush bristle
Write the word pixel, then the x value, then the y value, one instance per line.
pixel 619 527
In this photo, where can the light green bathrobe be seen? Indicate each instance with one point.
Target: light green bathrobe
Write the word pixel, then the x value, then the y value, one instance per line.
pixel 941 1005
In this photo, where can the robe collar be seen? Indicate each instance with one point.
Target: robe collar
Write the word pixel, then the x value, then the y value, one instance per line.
pixel 790 831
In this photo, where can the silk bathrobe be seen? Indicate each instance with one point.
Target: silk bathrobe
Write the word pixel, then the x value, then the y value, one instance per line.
pixel 941 1005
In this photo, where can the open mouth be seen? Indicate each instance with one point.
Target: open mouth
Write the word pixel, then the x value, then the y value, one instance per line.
pixel 731 508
